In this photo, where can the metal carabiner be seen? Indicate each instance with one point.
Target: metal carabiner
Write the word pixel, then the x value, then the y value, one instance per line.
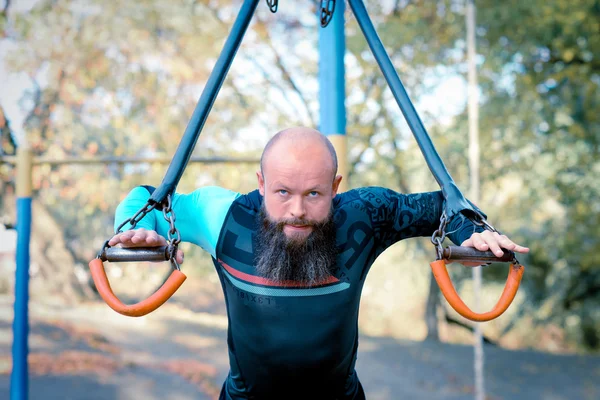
pixel 273 5
pixel 327 9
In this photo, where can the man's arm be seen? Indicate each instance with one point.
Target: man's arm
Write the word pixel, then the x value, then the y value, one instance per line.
pixel 199 217
pixel 397 216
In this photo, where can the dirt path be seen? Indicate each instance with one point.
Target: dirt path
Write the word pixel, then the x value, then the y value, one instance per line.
pixel 89 352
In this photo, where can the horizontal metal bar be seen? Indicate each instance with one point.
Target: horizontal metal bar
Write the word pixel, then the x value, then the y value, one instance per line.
pixel 470 254
pixel 129 160
pixel 132 254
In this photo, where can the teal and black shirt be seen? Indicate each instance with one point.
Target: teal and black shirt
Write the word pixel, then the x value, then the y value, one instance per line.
pixel 288 341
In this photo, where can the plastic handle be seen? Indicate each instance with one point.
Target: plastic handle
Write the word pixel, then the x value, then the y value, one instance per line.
pixel 142 308
pixel 515 273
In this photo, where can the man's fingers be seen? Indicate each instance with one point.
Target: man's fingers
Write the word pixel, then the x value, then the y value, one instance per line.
pixel 179 256
pixel 479 243
pixel 510 245
pixel 467 243
pixel 521 249
pixel 154 239
pixel 497 242
pixel 505 242
pixel 138 238
pixel 115 240
pixel 151 237
pixel 123 237
pixel 492 240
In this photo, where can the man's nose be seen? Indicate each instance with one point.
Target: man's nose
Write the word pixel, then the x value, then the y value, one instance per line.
pixel 297 208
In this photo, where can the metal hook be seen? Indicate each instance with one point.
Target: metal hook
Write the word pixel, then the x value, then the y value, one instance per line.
pixel 273 5
pixel 327 9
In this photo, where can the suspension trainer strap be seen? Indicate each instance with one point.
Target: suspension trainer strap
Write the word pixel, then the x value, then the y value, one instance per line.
pixel 455 202
pixel 161 198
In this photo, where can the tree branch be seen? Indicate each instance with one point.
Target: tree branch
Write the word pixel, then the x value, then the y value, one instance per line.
pixel 8 145
pixel 372 131
pixel 287 77
pixel 42 111
pixel 402 184
pixel 453 321
pixel 4 11
pixel 595 66
pixel 590 291
pixel 290 81
pixel 264 73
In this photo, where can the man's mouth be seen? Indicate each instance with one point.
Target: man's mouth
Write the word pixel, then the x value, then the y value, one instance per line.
pixel 297 228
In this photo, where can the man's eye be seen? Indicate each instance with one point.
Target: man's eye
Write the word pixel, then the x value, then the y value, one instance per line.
pixel 313 194
pixel 283 192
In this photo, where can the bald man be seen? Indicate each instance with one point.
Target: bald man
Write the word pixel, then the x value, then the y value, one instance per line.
pixel 292 258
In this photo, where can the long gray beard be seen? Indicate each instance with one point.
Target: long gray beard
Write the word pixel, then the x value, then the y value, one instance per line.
pixel 307 260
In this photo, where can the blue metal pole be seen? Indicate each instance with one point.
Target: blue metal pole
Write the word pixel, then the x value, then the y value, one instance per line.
pixel 455 201
pixel 19 377
pixel 332 88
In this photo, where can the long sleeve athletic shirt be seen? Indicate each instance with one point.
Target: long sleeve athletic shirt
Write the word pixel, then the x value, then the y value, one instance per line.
pixel 294 342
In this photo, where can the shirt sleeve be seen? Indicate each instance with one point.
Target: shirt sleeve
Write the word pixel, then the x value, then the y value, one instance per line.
pixel 199 214
pixel 397 216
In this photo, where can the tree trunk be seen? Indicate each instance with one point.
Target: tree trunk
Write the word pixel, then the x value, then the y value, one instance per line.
pixel 52 268
pixel 433 302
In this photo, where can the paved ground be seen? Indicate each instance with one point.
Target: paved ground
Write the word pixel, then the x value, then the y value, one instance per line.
pixel 91 353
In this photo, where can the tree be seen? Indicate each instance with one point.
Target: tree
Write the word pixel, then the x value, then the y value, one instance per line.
pixel 540 85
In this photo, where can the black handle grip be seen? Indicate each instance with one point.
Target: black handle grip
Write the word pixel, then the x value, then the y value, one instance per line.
pixel 470 254
pixel 132 254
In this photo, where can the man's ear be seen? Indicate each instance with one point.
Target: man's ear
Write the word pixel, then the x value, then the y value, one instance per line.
pixel 261 183
pixel 336 185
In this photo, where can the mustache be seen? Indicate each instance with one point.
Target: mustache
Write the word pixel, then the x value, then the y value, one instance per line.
pixel 280 223
pixel 296 221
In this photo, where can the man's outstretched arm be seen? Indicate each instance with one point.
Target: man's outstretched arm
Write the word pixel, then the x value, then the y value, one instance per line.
pixel 199 218
pixel 397 216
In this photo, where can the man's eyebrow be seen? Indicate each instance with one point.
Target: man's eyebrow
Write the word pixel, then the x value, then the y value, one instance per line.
pixel 280 185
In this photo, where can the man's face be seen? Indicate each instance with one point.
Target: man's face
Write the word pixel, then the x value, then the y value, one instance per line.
pixel 297 258
pixel 298 187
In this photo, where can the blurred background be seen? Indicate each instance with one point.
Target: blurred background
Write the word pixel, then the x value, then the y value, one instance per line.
pixel 89 79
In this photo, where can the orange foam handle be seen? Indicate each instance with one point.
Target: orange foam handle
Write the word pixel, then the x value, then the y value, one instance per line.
pixel 142 308
pixel 515 273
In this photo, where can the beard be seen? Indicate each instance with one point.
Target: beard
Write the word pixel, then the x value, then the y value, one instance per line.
pixel 308 260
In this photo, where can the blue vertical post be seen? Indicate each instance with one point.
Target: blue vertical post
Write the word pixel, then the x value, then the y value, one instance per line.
pixel 19 388
pixel 332 88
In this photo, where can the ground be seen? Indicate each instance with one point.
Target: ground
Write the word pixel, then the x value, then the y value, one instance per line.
pixel 88 352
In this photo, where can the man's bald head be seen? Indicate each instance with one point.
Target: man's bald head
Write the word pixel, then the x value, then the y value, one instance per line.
pixel 297 139
pixel 298 180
